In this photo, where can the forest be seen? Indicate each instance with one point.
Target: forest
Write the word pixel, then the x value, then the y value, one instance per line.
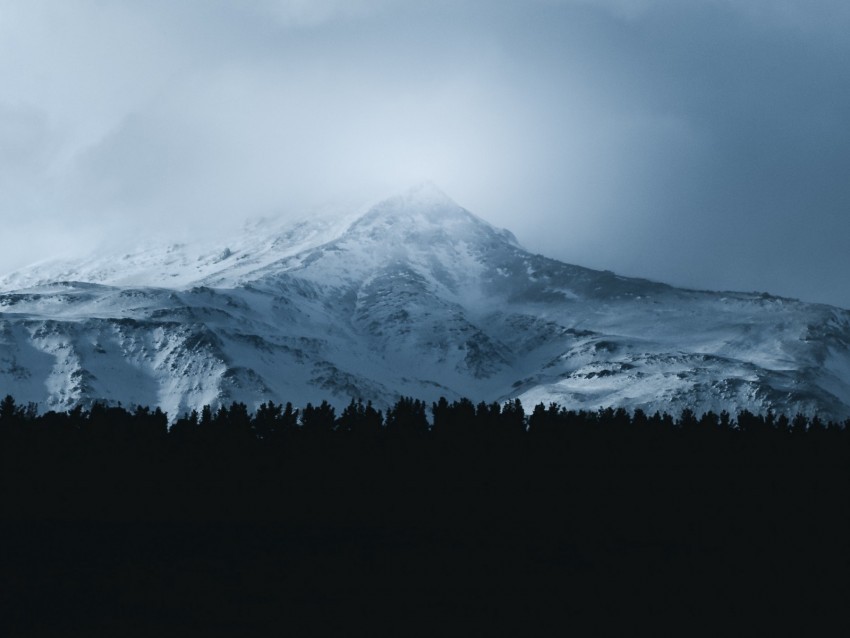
pixel 452 518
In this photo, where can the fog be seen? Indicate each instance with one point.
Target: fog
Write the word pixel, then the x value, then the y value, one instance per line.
pixel 705 143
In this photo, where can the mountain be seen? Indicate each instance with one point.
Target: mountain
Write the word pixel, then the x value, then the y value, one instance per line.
pixel 415 296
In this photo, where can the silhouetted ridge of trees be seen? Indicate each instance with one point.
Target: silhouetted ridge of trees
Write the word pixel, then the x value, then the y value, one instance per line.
pixel 78 460
pixel 460 421
pixel 454 517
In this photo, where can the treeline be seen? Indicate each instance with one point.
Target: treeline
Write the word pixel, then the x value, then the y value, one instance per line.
pixel 227 462
pixel 460 420
pixel 452 518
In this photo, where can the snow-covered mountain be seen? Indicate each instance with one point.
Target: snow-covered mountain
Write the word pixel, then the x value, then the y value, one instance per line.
pixel 415 296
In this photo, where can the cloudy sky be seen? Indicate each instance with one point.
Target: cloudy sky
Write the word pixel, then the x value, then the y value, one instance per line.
pixel 705 143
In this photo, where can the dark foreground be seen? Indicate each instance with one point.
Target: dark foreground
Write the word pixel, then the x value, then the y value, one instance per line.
pixel 594 526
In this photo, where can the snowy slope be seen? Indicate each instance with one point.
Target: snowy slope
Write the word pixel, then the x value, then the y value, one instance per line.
pixel 180 264
pixel 414 296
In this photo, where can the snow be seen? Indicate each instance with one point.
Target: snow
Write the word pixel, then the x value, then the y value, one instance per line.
pixel 413 296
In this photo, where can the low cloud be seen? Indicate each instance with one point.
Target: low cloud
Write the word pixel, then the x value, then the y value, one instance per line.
pixel 704 143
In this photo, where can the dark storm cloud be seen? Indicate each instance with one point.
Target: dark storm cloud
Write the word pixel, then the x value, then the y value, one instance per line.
pixel 730 170
pixel 704 142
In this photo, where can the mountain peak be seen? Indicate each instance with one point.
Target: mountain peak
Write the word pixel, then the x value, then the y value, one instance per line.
pixel 429 194
pixel 423 204
pixel 423 216
pixel 423 199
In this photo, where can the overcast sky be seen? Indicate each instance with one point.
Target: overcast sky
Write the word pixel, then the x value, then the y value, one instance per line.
pixel 705 143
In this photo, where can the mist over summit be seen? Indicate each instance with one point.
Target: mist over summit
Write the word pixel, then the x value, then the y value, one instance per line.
pixel 413 296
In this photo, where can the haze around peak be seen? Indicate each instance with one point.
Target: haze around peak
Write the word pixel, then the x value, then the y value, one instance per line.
pixel 705 144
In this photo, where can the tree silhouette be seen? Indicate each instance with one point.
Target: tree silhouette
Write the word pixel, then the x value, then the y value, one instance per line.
pixel 407 418
pixel 318 420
